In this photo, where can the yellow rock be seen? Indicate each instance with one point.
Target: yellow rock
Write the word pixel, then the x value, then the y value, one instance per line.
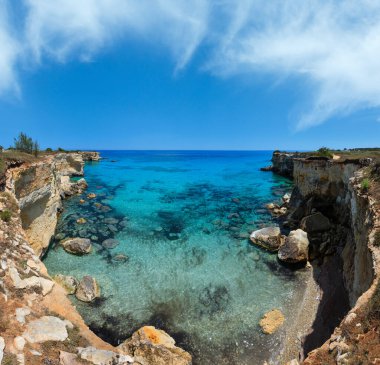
pixel 81 221
pixel 91 196
pixel 82 201
pixel 272 321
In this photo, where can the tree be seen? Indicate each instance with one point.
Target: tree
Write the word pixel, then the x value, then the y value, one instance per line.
pixel 26 144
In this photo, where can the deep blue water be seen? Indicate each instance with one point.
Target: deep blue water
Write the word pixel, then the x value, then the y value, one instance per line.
pixel 183 219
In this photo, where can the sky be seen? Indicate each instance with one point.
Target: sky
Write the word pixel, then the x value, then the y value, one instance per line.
pixel 190 74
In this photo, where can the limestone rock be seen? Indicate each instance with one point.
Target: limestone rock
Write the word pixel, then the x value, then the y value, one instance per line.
pixel 67 358
pixel 316 222
pixel 47 328
pixel 77 246
pixel 269 238
pixel 81 221
pixel 2 347
pixel 19 343
pixel 296 247
pixel 91 196
pixel 286 198
pixel 21 313
pixel 31 282
pixel 88 289
pixel 150 346
pixel 101 357
pixel 272 321
pixel 69 283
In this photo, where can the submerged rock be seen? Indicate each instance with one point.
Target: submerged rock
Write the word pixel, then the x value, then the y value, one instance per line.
pixel 77 246
pixel 120 257
pixel 88 289
pixel 268 238
pixel 47 328
pixel 296 247
pixel 81 220
pixel 69 283
pixel 110 243
pixel 272 321
pixel 91 196
pixel 151 346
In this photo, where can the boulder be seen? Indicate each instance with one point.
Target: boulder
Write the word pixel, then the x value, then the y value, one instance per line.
pixel 91 196
pixel 69 283
pixel 47 328
pixel 316 222
pixel 296 247
pixel 88 289
pixel 268 238
pixel 151 346
pixel 102 357
pixel 77 246
pixel 272 321
pixel 286 198
pixel 2 347
pixel 110 243
pixel 81 221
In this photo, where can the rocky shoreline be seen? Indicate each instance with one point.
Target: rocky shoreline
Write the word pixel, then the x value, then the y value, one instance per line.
pixel 328 221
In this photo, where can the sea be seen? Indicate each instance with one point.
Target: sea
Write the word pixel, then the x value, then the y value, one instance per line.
pixel 180 257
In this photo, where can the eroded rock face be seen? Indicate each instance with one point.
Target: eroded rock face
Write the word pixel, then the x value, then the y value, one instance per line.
pixel 88 289
pixel 272 321
pixel 150 346
pixel 316 222
pixel 102 357
pixel 77 246
pixel 268 238
pixel 47 328
pixel 296 247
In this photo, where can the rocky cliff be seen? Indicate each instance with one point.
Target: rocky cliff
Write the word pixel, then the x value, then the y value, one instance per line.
pixel 38 323
pixel 341 219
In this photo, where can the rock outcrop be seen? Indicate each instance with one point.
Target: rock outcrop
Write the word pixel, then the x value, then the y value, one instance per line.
pixel 296 247
pixel 87 289
pixel 77 246
pixel 272 321
pixel 268 238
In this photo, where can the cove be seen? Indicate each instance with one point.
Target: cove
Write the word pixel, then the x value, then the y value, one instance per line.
pixel 183 261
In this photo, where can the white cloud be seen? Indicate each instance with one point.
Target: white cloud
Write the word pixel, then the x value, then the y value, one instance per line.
pixel 334 46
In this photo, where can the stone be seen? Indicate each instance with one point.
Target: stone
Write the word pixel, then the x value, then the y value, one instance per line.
pixel 2 347
pixel 31 282
pixel 316 222
pixel 69 283
pixel 21 313
pixel 268 238
pixel 102 357
pixel 67 358
pixel 77 246
pixel 110 243
pixel 88 289
pixel 296 247
pixel 59 236
pixel 286 198
pixel 350 318
pixel 82 201
pixel 19 343
pixel 91 196
pixel 151 346
pixel 120 257
pixel 81 220
pixel 47 328
pixel 111 220
pixel 272 321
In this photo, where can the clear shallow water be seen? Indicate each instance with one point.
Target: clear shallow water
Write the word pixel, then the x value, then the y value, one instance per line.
pixel 183 220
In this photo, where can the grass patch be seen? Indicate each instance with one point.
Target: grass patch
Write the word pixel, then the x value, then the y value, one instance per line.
pixel 365 184
pixel 5 215
pixel 9 359
pixel 324 152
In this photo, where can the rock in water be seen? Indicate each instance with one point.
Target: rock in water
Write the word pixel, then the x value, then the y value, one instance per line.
pixel 47 328
pixel 77 246
pixel 316 222
pixel 272 321
pixel 69 283
pixel 296 247
pixel 110 243
pixel 268 238
pixel 88 289
pixel 151 346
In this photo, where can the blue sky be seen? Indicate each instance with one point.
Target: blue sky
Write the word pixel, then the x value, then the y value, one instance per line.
pixel 207 76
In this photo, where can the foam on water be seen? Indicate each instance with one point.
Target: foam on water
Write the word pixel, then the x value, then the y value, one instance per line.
pixel 182 218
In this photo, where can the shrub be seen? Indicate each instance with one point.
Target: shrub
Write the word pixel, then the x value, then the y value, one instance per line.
pixel 61 149
pixel 325 152
pixel 48 150
pixel 26 144
pixel 6 215
pixel 365 184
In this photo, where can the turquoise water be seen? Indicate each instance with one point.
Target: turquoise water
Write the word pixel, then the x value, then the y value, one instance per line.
pixel 183 220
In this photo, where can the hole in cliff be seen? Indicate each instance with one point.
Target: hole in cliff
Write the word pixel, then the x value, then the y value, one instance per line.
pixel 32 211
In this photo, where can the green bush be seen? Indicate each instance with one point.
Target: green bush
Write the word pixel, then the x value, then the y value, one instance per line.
pixel 48 150
pixel 325 152
pixel 365 184
pixel 26 144
pixel 61 149
pixel 6 215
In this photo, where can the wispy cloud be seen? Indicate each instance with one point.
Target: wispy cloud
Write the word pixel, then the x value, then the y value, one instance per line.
pixel 334 46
